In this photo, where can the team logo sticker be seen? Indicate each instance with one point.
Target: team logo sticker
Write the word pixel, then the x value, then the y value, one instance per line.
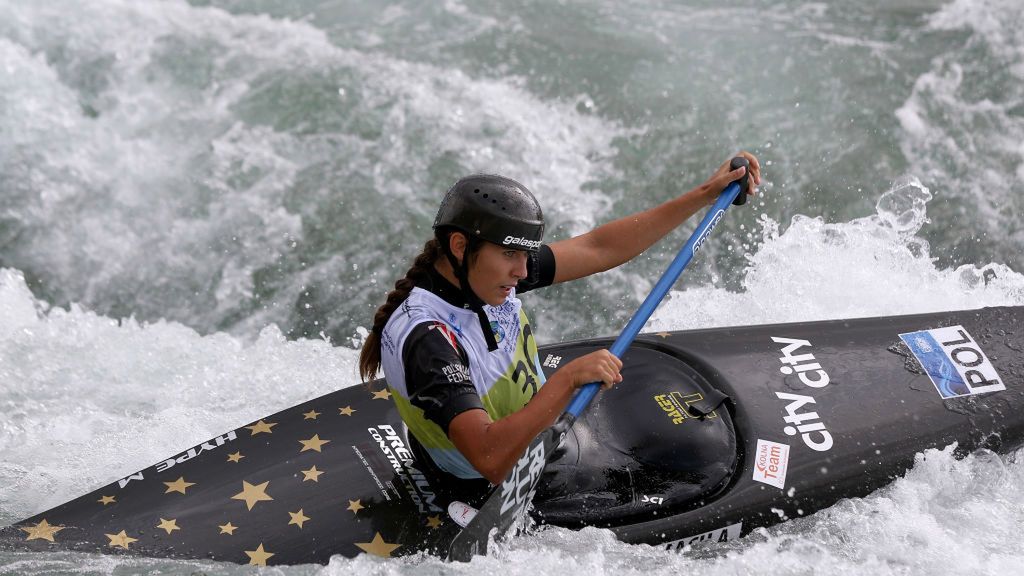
pixel 771 462
pixel 954 361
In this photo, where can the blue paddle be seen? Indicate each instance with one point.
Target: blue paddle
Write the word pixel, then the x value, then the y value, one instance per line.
pixel 509 501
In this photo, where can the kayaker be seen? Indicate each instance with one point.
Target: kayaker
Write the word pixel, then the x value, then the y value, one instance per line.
pixel 457 348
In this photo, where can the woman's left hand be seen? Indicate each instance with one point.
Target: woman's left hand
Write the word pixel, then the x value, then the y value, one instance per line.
pixel 723 176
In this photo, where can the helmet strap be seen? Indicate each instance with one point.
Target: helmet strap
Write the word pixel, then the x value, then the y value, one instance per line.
pixel 461 271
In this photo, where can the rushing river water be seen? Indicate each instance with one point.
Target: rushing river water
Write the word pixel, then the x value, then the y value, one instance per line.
pixel 201 204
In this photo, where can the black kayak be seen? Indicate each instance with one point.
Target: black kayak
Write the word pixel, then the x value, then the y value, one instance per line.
pixel 712 434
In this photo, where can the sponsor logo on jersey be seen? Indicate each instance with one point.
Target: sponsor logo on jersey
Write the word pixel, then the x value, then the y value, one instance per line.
pixel 807 424
pixel 552 361
pixel 674 405
pixel 771 461
pixel 520 241
pixel 387 341
pixel 507 318
pixel 499 332
pixel 402 461
pixel 954 361
pixel 454 323
pixel 730 532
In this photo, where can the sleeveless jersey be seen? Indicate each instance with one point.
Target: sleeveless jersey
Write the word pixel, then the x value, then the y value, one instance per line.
pixel 505 379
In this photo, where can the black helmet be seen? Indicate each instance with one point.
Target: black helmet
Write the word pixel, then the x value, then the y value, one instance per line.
pixel 495 208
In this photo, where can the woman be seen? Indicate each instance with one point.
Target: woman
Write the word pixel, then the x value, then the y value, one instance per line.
pixel 456 347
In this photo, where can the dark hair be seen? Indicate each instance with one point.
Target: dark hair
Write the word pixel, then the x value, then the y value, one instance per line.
pixel 369 357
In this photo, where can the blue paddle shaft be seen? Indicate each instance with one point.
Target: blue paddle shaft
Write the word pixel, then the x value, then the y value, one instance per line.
pixel 643 313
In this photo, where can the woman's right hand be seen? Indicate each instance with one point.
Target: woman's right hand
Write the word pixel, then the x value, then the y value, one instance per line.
pixel 493 447
pixel 725 174
pixel 601 366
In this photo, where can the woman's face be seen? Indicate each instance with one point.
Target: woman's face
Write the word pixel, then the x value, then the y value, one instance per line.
pixel 495 271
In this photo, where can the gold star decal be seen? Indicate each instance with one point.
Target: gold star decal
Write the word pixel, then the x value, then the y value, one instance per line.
pixel 311 415
pixel 262 426
pixel 106 500
pixel 378 546
pixel 259 556
pixel 313 443
pixel 663 334
pixel 434 521
pixel 168 525
pixel 253 494
pixel 298 518
pixel 227 529
pixel 312 474
pixel 43 531
pixel 381 394
pixel 236 457
pixel 355 506
pixel 346 411
pixel 121 539
pixel 179 485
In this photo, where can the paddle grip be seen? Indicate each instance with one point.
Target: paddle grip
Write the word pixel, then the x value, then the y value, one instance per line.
pixel 744 181
pixel 668 278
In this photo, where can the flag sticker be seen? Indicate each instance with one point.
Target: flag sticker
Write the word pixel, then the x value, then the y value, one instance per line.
pixel 954 361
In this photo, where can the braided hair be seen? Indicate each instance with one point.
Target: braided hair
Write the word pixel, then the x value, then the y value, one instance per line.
pixel 369 357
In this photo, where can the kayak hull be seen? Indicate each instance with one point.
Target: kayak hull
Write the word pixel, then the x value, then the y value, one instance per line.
pixel 804 414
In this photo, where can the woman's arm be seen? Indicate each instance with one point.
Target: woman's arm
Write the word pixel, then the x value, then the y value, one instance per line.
pixel 494 447
pixel 619 241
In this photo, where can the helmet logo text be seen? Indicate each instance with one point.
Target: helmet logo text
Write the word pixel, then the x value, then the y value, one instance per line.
pixel 520 241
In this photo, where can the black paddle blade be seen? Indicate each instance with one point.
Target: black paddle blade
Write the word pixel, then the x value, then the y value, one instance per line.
pixel 509 502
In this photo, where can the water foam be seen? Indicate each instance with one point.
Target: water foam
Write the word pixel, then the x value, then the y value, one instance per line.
pixel 102 131
pixel 945 512
pixel 875 265
pixel 91 398
pixel 88 399
pixel 963 127
pixel 230 171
